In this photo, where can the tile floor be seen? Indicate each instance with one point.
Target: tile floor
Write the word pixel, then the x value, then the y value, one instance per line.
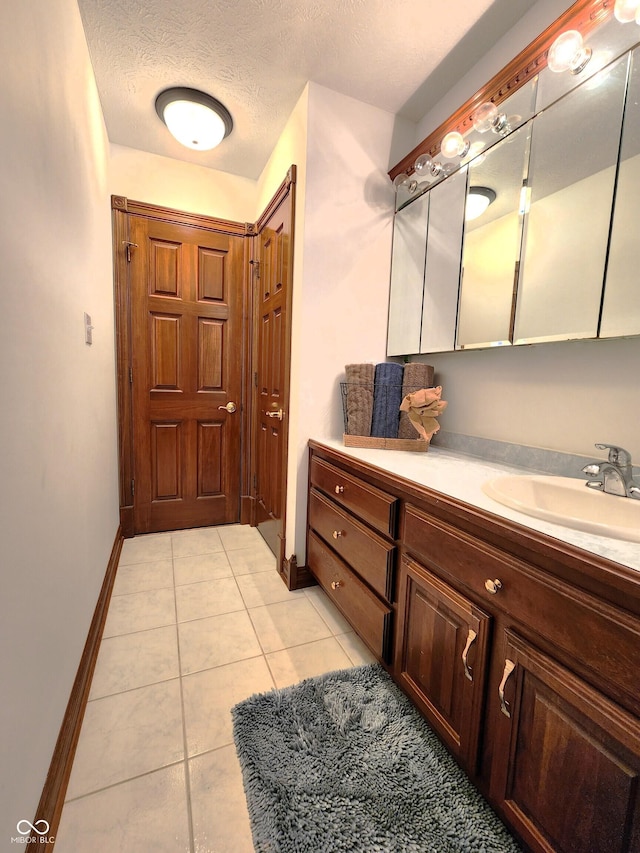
pixel 198 621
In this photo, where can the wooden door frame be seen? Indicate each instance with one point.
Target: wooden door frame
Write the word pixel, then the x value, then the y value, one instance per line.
pixel 287 187
pixel 122 209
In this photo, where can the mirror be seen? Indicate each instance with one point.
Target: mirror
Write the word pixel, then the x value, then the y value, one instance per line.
pixel 572 171
pixel 492 243
pixel 407 277
pixel 572 271
pixel 621 304
pixel 442 265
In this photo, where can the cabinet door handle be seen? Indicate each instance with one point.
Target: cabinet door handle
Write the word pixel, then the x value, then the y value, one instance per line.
pixel 493 586
pixel 337 534
pixel 336 584
pixel 509 666
pixel 471 638
pixel 339 490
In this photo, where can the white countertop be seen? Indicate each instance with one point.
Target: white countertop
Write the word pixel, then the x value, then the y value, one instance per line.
pixel 461 476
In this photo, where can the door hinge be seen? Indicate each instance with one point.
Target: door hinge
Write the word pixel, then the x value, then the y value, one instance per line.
pixel 255 378
pixel 133 487
pixel 256 269
pixel 255 481
pixel 131 376
pixel 129 246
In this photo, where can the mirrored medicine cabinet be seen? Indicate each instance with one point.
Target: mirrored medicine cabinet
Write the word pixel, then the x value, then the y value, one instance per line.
pixel 555 254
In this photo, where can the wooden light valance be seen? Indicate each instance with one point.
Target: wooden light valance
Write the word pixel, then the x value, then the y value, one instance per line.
pixel 584 16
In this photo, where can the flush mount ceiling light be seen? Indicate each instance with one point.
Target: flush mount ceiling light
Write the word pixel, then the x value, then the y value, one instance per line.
pixel 194 118
pixel 478 200
pixel 568 53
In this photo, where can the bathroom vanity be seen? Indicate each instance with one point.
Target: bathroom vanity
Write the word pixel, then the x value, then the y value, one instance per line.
pixel 519 640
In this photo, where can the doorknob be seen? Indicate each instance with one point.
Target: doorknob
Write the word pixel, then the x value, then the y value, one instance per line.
pixel 230 407
pixel 279 414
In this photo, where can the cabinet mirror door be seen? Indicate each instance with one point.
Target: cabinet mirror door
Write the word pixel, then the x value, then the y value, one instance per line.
pixel 574 152
pixel 492 243
pixel 442 267
pixel 407 277
pixel 621 305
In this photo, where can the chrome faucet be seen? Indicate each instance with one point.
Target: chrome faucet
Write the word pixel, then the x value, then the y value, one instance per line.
pixel 616 475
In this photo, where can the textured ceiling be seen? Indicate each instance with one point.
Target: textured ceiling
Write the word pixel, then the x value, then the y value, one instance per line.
pixel 257 55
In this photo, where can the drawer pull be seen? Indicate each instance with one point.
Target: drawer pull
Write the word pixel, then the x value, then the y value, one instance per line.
pixel 339 490
pixel 336 584
pixel 509 666
pixel 337 534
pixel 471 638
pixel 493 586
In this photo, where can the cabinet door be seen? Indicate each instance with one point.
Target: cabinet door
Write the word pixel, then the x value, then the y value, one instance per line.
pixel 567 764
pixel 441 657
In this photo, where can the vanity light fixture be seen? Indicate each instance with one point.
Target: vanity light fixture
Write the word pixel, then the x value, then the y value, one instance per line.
pixel 454 145
pixel 478 200
pixel 407 182
pixel 568 53
pixel 626 11
pixel 194 118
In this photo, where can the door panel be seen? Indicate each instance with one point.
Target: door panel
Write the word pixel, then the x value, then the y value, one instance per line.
pixel 274 270
pixel 554 728
pixel 186 298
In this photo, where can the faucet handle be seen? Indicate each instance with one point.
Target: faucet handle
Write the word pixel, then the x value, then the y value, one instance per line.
pixel 617 455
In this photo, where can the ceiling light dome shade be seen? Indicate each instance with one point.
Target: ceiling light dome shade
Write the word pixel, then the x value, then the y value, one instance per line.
pixel 194 118
pixel 478 200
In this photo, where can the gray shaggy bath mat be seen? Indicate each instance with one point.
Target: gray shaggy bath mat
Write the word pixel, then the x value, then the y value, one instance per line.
pixel 344 762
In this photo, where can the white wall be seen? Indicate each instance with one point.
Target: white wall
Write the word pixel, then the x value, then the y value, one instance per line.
pixel 151 178
pixel 58 456
pixel 342 300
pixel 562 396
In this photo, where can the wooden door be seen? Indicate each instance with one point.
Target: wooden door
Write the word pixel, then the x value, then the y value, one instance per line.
pixel 186 315
pixel 273 277
pixel 567 767
pixel 441 657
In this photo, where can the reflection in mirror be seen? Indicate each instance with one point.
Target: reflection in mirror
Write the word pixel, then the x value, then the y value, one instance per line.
pixel 442 268
pixel 572 172
pixel 407 277
pixel 621 306
pixel 492 244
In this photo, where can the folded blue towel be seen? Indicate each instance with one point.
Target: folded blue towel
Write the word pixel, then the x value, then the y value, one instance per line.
pixel 387 396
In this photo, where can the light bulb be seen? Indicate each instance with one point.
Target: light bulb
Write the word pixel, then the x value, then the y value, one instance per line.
pixel 453 145
pixel 423 164
pixel 401 180
pixel 484 117
pixel 626 11
pixel 568 53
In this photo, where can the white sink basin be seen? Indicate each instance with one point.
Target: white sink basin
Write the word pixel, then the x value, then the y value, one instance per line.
pixel 569 502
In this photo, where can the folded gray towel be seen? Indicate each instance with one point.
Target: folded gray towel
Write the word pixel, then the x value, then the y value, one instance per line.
pixel 415 376
pixel 359 398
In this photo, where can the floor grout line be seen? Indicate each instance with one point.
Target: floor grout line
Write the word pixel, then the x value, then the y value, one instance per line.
pixel 185 746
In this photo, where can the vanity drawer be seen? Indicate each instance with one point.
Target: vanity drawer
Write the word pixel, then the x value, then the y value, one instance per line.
pixel 369 616
pixel 372 505
pixel 369 554
pixel 586 629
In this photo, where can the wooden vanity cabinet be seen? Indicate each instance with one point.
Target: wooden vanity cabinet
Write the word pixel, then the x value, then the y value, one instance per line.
pixel 351 551
pixel 521 651
pixel 441 657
